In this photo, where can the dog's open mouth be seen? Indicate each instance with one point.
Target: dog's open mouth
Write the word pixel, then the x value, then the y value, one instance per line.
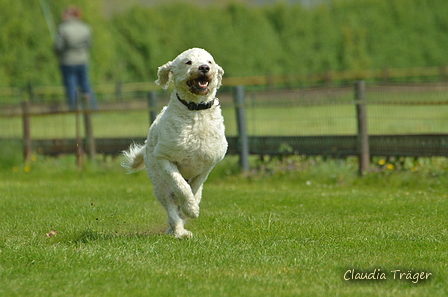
pixel 202 84
pixel 199 85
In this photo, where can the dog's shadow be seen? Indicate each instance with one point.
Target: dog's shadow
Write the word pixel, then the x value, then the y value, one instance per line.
pixel 90 235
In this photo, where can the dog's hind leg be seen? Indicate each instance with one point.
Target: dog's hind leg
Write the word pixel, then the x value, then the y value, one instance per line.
pixel 176 223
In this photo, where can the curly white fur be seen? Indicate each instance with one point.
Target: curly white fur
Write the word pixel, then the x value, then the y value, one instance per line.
pixel 183 145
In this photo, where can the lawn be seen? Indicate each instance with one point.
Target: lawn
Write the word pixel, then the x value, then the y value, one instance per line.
pixel 271 232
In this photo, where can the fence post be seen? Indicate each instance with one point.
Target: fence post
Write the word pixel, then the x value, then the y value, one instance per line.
pixel 328 77
pixel 152 104
pixel 79 142
pixel 30 90
pixel 90 140
pixel 385 75
pixel 118 90
pixel 243 143
pixel 27 145
pixel 362 137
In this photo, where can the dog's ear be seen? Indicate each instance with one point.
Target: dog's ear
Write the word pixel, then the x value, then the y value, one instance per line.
pixel 164 73
pixel 220 74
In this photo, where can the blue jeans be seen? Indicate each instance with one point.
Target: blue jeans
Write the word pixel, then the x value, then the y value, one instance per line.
pixel 77 76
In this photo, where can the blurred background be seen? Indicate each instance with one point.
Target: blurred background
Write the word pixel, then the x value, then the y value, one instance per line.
pixel 298 61
pixel 132 38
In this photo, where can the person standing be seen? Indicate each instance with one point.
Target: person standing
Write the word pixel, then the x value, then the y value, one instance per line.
pixel 72 45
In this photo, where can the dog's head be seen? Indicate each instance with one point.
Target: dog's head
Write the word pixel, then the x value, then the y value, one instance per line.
pixel 194 70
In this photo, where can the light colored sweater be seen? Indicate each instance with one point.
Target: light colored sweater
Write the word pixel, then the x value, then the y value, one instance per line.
pixel 73 42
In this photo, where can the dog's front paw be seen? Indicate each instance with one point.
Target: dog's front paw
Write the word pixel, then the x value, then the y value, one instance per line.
pixel 191 211
pixel 185 234
pixel 179 233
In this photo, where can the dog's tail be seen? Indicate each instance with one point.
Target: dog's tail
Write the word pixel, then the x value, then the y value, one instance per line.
pixel 135 157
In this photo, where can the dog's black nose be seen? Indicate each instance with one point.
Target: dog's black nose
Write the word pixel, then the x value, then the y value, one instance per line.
pixel 204 68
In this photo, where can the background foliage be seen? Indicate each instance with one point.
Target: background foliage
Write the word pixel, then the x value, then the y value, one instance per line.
pixel 245 40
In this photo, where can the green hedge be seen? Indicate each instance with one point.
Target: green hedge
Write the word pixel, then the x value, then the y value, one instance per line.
pixel 245 40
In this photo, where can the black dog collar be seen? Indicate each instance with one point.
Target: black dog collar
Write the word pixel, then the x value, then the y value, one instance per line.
pixel 195 106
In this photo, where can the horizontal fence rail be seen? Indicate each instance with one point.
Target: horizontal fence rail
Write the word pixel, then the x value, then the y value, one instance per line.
pixel 336 145
pixel 329 77
pixel 397 120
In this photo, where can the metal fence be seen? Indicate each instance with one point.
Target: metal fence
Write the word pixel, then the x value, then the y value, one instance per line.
pixel 400 119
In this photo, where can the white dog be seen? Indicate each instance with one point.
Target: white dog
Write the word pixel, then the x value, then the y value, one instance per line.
pixel 187 138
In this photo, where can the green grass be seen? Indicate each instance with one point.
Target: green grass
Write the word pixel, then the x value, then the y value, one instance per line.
pixel 272 232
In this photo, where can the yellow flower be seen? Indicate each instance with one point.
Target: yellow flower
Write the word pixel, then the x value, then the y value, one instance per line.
pixel 390 166
pixel 34 158
pixel 27 168
pixel 382 162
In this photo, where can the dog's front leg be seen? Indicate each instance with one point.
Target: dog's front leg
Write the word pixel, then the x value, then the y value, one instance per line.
pixel 197 183
pixel 180 187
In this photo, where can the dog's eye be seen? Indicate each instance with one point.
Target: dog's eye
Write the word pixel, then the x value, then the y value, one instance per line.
pixel 210 62
pixel 189 63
